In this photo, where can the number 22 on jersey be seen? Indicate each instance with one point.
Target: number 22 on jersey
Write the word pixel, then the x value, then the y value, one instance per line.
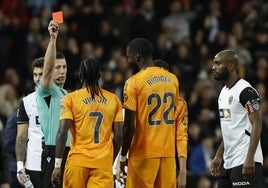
pixel 156 103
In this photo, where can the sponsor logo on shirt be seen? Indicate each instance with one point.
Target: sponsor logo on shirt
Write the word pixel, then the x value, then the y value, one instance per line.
pixel 241 183
pixel 225 113
pixel 37 122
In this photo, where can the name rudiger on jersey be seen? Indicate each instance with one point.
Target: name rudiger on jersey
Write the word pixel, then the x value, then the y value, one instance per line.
pixel 156 79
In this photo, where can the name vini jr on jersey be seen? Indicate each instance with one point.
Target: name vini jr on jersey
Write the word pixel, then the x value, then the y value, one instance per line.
pixel 88 100
pixel 155 79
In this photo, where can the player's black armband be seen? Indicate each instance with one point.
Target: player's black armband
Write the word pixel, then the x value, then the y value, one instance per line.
pixel 250 99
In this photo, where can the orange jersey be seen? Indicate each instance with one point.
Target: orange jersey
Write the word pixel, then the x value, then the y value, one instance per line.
pixel 152 93
pixel 182 128
pixel 92 128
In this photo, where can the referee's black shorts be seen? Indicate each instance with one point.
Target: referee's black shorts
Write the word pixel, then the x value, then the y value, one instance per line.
pixel 48 163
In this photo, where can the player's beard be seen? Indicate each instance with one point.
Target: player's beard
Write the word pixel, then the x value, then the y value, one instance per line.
pixel 221 76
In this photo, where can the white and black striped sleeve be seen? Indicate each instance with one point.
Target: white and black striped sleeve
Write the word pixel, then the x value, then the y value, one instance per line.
pixel 22 117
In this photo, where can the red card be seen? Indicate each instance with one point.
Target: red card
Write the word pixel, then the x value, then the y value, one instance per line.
pixel 57 17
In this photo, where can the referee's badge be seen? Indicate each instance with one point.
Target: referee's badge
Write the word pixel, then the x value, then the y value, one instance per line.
pixel 230 100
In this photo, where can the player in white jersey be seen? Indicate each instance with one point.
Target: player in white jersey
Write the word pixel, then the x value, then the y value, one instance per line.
pixel 29 135
pixel 241 124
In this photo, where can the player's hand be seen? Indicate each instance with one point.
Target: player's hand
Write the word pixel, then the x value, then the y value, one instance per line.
pixel 56 176
pixel 181 180
pixel 121 172
pixel 120 177
pixel 248 167
pixel 215 166
pixel 22 171
pixel 53 29
pixel 118 172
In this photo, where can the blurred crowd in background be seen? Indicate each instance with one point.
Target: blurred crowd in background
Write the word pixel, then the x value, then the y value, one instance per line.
pixel 185 33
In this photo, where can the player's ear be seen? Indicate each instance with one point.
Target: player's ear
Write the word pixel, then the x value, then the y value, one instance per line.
pixel 80 76
pixel 137 57
pixel 231 66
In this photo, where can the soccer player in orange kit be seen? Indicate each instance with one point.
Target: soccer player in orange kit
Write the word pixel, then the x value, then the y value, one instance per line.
pixel 95 118
pixel 150 97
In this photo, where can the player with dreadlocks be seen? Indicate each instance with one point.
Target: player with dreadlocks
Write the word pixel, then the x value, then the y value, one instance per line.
pixel 89 75
pixel 95 119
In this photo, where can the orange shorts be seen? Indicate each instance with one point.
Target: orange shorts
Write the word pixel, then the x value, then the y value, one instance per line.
pixel 151 173
pixel 75 176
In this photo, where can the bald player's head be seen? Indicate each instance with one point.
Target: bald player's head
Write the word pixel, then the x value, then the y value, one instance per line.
pixel 225 65
pixel 228 56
